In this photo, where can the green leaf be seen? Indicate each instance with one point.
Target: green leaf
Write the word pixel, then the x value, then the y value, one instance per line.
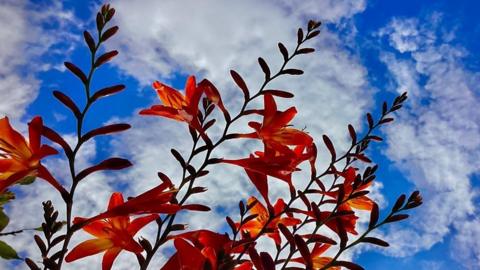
pixel 6 197
pixel 3 220
pixel 7 252
pixel 27 180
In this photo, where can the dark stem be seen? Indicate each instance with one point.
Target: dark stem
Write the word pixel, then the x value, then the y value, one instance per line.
pixel 71 158
pixel 170 218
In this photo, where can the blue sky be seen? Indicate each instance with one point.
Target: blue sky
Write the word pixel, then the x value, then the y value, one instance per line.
pixel 369 51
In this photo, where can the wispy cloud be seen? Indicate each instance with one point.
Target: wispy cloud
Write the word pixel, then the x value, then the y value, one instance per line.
pixel 209 39
pixel 34 31
pixel 437 143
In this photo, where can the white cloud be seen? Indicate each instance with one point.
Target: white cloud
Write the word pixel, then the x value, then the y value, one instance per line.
pixel 28 37
pixel 208 39
pixel 437 141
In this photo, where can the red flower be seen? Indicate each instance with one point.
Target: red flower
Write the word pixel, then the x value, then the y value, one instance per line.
pixel 155 200
pixel 184 108
pixel 20 159
pixel 201 250
pixel 256 225
pixel 279 164
pixel 317 260
pixel 348 220
pixel 175 105
pixel 112 235
pixel 275 130
pixel 360 202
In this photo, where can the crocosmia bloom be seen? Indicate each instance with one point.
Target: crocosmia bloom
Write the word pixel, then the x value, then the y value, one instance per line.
pixel 318 261
pixel 175 105
pixel 279 164
pixel 359 202
pixel 155 200
pixel 255 226
pixel 275 130
pixel 112 235
pixel 20 159
pixel 202 250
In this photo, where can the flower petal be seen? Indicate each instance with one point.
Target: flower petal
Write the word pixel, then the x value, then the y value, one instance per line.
pixel 88 248
pixel 109 257
pixel 189 256
pixel 139 223
pixel 169 96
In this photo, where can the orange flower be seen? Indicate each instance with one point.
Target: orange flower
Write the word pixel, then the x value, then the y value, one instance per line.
pixel 203 249
pixel 318 261
pixel 360 202
pixel 20 159
pixel 155 200
pixel 112 235
pixel 348 219
pixel 184 108
pixel 279 164
pixel 255 226
pixel 275 130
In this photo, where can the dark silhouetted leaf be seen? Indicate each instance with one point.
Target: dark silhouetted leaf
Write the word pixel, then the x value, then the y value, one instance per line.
pixel 375 138
pixel 283 50
pixel 241 207
pixel 330 147
pixel 267 261
pixel 41 245
pixel 305 50
pixel 89 40
pixel 386 120
pixel 146 244
pixel 317 213
pixel 318 238
pixel 264 67
pixel 105 130
pixel 399 203
pixel 196 207
pixel 56 138
pixel 77 71
pixel 375 241
pixel 31 264
pixel 288 235
pixel 231 223
pixel 396 218
pixel 57 240
pixel 165 179
pixel 374 214
pixel 241 83
pixel 65 100
pixel 370 120
pixel 178 157
pixel 195 190
pixel 313 34
pixel 278 93
pixel 292 71
pixel 304 251
pixel 110 14
pixel 250 217
pixel 108 164
pixel 102 59
pixel 299 35
pixel 100 22
pixel 109 33
pixel 304 200
pixel 342 233
pixel 107 91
